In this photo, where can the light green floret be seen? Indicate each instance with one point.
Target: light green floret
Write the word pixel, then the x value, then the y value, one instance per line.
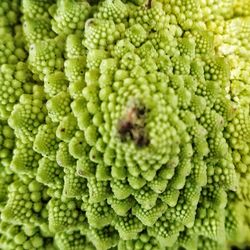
pixel 55 83
pixel 170 196
pixel 187 239
pixel 24 238
pixel 217 9
pixel 226 108
pixel 184 97
pixel 136 34
pixel 9 13
pixel 103 172
pixel 150 16
pixel 197 72
pixel 223 172
pixel 85 167
pixel 235 222
pixel 182 170
pixel 216 69
pixel 197 105
pixel 181 65
pixel 98 190
pixel 187 47
pixel 136 182
pixel 108 66
pixel 74 185
pixel 59 106
pixel 91 134
pixel 36 8
pixel 164 64
pixel 205 243
pixel 121 189
pixel 165 231
pixel 210 215
pixel 72 241
pixel 4 30
pixel 114 10
pixel 26 203
pixel 78 146
pixel 144 242
pixel 46 143
pixel 75 68
pixel 121 207
pixel 96 157
pixel 239 128
pixel 95 57
pixel 147 50
pixel 145 197
pixel 184 210
pixel 70 16
pixel 10 51
pixel 25 159
pixel 187 13
pixel 67 128
pixel 6 178
pixel 63 157
pixel 65 215
pixel 241 8
pixel 100 34
pixel 211 121
pixel 147 65
pixel 99 214
pixel 28 115
pixel 7 48
pixel 50 174
pixel 37 29
pixel 74 47
pixel 20 39
pixel 129 61
pixel 243 191
pixel 241 160
pixel 122 47
pixel 14 81
pixel 7 144
pixel 165 41
pixel 104 238
pixel 91 92
pixel 160 181
pixel 75 88
pixel 128 226
pixel 218 146
pixel 45 56
pixel 149 216
pixel 204 41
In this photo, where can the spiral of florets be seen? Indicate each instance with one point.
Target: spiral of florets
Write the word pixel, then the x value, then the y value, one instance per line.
pixel 69 16
pixel 149 128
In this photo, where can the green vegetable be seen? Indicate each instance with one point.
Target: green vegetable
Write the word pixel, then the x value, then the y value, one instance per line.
pixel 124 124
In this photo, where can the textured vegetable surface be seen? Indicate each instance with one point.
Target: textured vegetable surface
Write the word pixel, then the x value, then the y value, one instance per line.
pixel 124 124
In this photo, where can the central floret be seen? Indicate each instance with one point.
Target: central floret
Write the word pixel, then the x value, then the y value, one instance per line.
pixel 133 125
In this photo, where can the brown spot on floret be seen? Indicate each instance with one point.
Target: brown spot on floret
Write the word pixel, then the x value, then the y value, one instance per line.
pixel 132 125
